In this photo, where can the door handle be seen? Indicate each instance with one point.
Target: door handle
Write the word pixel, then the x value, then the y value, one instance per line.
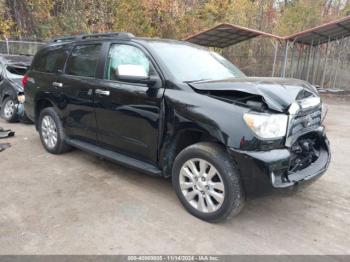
pixel 102 92
pixel 57 84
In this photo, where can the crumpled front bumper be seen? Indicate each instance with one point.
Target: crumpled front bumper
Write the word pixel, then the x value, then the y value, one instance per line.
pixel 262 171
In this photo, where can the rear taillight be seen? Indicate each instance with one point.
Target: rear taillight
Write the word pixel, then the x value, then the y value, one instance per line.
pixel 24 80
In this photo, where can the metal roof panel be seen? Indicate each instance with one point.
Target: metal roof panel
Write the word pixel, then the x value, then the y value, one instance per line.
pixel 321 34
pixel 224 35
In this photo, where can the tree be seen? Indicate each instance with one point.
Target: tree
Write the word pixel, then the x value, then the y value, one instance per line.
pixel 6 23
pixel 299 15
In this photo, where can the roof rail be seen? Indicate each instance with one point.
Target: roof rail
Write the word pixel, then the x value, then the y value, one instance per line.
pixel 111 34
pixel 65 39
pixel 123 35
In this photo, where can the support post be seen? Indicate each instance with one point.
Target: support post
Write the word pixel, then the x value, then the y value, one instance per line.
pixel 291 61
pixel 308 60
pixel 317 63
pixel 302 60
pixel 338 60
pixel 7 45
pixel 274 59
pixel 285 60
pixel 305 56
pixel 313 62
pixel 325 64
pixel 298 64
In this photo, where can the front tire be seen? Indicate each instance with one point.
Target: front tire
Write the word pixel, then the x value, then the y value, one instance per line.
pixel 51 132
pixel 207 182
pixel 9 110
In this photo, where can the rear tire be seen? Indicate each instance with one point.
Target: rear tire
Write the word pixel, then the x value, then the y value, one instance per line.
pixel 214 192
pixel 51 132
pixel 9 110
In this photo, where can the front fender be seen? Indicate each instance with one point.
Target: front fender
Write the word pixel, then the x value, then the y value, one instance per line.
pixel 189 114
pixel 221 120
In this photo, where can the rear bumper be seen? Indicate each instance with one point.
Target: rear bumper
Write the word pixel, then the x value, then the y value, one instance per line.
pixel 263 171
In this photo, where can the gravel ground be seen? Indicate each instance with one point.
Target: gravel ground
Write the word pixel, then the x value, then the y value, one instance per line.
pixel 79 204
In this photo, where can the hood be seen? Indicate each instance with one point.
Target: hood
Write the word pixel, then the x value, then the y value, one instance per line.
pixel 277 93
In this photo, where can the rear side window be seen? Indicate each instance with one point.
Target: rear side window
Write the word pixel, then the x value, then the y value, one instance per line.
pixel 51 61
pixel 83 60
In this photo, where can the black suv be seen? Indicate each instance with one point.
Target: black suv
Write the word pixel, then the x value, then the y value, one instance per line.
pixel 174 109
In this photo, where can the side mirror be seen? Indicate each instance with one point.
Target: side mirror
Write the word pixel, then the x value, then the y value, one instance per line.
pixel 137 74
pixel 136 71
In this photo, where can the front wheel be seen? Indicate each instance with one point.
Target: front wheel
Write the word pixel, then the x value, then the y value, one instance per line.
pixel 9 110
pixel 207 182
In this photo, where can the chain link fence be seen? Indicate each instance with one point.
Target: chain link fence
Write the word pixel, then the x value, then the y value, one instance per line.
pixel 327 67
pixel 17 47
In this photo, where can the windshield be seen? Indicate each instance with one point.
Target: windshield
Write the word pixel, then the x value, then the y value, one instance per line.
pixel 13 72
pixel 189 63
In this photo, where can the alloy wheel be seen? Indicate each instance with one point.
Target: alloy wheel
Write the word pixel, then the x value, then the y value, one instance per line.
pixel 49 131
pixel 202 185
pixel 9 109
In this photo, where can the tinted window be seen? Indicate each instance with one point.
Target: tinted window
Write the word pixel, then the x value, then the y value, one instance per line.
pixel 125 55
pixel 83 60
pixel 51 61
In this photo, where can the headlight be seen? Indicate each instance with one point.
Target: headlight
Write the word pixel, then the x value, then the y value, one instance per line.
pixel 267 126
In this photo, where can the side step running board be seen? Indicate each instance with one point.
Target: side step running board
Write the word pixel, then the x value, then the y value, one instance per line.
pixel 115 157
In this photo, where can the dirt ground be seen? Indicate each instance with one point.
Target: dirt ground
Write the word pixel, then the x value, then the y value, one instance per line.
pixel 77 203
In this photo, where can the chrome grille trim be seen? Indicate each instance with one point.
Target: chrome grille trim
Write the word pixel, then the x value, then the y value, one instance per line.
pixel 309 120
pixel 295 128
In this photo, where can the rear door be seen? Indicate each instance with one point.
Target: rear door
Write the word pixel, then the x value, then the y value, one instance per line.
pixel 43 76
pixel 128 113
pixel 78 85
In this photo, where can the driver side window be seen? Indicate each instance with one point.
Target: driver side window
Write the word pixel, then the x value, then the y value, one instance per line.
pixel 126 60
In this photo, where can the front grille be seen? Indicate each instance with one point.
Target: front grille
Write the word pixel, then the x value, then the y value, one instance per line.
pixel 306 120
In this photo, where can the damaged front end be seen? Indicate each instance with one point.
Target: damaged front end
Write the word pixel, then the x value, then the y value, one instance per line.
pixel 284 142
pixel 307 144
pixel 308 158
pixel 304 157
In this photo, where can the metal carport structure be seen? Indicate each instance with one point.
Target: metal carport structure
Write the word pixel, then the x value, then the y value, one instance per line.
pixel 322 34
pixel 224 35
pixel 309 43
pixel 313 46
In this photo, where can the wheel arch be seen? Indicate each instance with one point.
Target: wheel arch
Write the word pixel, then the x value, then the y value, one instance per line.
pixel 40 105
pixel 8 93
pixel 172 146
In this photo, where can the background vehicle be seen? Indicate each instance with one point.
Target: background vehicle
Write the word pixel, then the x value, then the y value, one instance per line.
pixel 173 109
pixel 12 69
